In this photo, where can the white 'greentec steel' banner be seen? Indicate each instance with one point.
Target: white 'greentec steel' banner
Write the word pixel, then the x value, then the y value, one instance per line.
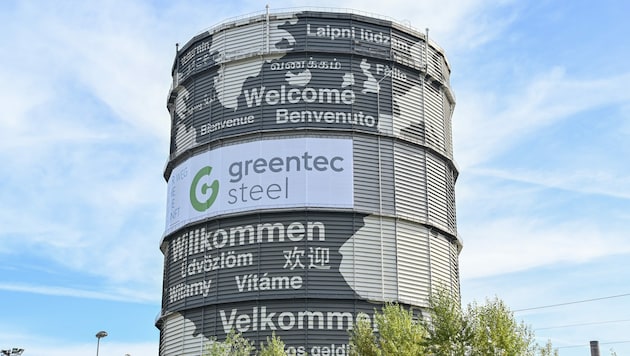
pixel 300 172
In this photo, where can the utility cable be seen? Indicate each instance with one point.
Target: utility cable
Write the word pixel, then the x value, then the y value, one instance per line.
pixel 583 324
pixel 587 345
pixel 574 302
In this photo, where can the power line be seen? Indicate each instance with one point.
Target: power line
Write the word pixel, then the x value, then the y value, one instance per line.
pixel 615 342
pixel 583 324
pixel 574 302
pixel 601 343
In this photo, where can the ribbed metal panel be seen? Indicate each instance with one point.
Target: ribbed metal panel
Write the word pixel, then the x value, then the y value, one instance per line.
pixel 437 192
pixel 408 106
pixel 367 183
pixel 448 125
pixel 450 201
pixel 408 50
pixel 446 72
pixel 239 42
pixel 183 135
pixel 389 259
pixel 454 250
pixel 435 66
pixel 434 117
pixel 387 176
pixel 229 82
pixel 368 262
pixel 414 269
pixel 411 182
pixel 178 337
pixel 373 41
pixel 440 258
pixel 319 33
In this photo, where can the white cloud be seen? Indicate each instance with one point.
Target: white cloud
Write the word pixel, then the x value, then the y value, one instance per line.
pixel 511 231
pixel 114 52
pixel 508 226
pixel 486 124
pixel 509 245
pixel 587 181
pixel 83 137
pixel 88 206
pixel 117 295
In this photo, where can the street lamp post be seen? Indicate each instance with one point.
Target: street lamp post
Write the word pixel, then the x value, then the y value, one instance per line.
pixel 99 335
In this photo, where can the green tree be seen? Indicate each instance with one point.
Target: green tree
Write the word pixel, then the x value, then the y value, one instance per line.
pixel 234 345
pixel 481 330
pixel 399 334
pixel 496 332
pixel 547 350
pixel 363 341
pixel 274 347
pixel 448 328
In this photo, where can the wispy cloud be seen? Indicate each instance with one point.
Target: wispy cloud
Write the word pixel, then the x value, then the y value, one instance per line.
pixel 105 52
pixel 517 218
pixel 459 25
pixel 489 123
pixel 515 244
pixel 115 295
pixel 84 138
pixel 586 181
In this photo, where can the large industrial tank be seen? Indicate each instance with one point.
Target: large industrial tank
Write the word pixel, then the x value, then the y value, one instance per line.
pixel 310 178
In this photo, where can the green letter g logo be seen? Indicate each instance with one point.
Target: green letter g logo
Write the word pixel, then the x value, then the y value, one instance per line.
pixel 203 206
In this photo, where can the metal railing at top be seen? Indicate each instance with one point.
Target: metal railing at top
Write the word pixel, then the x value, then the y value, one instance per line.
pixel 290 10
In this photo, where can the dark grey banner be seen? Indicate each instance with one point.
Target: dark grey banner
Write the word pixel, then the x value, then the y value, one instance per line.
pixel 296 91
pixel 300 84
pixel 307 326
pixel 258 257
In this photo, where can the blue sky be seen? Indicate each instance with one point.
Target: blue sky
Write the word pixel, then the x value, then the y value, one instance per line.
pixel 541 131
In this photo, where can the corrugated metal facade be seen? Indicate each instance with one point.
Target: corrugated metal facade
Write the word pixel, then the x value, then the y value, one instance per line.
pixel 305 271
